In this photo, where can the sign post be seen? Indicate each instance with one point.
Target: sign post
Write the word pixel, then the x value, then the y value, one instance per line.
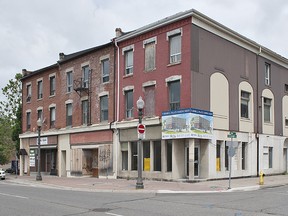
pixel 231 152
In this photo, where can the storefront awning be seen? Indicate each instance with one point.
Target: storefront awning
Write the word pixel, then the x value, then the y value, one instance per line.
pixel 23 152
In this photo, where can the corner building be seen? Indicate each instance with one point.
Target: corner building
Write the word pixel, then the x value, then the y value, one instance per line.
pixel 205 86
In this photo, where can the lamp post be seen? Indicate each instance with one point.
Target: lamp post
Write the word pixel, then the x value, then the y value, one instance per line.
pixel 139 184
pixel 39 125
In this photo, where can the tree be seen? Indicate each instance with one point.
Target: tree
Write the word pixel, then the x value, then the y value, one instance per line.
pixel 11 118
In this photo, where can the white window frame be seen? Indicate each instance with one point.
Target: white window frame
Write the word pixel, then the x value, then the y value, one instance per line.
pixel 267 74
pixel 247 100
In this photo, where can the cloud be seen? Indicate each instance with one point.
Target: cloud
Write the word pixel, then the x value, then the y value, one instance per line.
pixel 32 32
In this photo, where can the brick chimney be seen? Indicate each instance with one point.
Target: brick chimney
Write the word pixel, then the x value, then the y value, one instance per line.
pixel 118 32
pixel 61 56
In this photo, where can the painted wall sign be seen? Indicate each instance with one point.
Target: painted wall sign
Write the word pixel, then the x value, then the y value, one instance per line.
pixel 187 123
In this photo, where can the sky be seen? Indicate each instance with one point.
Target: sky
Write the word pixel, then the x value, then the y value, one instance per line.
pixel 33 32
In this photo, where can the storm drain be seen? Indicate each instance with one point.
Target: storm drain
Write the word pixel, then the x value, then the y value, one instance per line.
pixel 101 210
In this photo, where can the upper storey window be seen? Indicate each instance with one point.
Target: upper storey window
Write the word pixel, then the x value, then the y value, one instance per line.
pixel 29 92
pixel 150 50
pixel 267 74
pixel 69 81
pixel 174 38
pixel 52 85
pixel 174 95
pixel 245 104
pixel 85 76
pixel 128 58
pixel 40 89
pixel 105 70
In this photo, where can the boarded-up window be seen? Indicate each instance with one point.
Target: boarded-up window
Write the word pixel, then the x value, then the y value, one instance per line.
pixel 149 56
pixel 149 101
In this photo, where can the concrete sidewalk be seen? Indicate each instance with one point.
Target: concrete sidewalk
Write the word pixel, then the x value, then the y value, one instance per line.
pixel 150 186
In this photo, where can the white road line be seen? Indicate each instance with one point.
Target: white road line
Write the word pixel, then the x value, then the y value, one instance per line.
pixel 21 197
pixel 112 214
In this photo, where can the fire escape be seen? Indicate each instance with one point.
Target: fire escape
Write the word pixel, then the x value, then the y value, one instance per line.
pixel 82 86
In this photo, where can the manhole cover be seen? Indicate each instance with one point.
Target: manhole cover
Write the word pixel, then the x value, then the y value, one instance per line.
pixel 101 210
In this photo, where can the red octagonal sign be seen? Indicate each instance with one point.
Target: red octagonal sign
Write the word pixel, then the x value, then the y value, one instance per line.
pixel 141 128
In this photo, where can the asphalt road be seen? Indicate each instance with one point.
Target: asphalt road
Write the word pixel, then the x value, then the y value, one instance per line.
pixel 32 201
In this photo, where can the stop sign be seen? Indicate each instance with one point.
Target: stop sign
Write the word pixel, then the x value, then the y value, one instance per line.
pixel 141 128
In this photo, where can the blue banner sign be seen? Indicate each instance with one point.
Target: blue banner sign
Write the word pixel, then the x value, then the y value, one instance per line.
pixel 187 123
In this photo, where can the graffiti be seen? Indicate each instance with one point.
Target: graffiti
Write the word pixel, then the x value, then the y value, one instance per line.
pixel 105 155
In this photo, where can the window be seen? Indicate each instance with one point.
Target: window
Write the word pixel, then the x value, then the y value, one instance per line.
pixel 40 114
pixel 244 155
pixel 52 85
pixel 146 156
pixel 29 93
pixel 124 153
pixel 270 153
pixel 175 48
pixel 267 74
pixel 28 117
pixel 69 81
pixel 69 114
pixel 286 88
pixel 52 117
pixel 149 101
pixel 174 95
pixel 267 109
pixel 105 70
pixel 169 155
pixel 129 104
pixel 245 99
pixel 85 110
pixel 157 155
pixel 218 156
pixel 134 154
pixel 128 62
pixel 286 122
pixel 150 56
pixel 40 89
pixel 104 108
pixel 85 77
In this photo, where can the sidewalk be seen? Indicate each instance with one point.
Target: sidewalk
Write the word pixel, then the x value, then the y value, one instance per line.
pixel 150 186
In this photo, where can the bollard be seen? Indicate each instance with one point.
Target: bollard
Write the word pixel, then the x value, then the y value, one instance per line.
pixel 261 178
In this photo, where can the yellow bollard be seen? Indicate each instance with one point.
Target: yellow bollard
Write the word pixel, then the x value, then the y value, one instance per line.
pixel 261 178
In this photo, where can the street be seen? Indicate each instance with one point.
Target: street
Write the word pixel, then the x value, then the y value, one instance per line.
pixel 32 201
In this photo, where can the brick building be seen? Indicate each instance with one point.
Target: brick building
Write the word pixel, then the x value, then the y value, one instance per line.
pixel 189 66
pixel 205 88
pixel 74 99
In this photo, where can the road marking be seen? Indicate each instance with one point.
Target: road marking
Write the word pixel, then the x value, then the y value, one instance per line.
pixel 21 197
pixel 112 214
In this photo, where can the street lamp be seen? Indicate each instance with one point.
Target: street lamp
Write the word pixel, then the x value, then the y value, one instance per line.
pixel 139 184
pixel 39 125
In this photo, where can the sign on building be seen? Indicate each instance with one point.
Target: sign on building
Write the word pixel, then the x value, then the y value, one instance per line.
pixel 187 123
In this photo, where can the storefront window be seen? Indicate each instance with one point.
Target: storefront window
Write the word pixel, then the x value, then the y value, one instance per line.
pixel 134 154
pixel 169 155
pixel 157 156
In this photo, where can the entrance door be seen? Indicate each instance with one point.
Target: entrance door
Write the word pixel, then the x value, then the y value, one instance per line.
pixel 196 161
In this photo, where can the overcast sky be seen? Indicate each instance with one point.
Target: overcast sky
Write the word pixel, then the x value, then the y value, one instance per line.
pixel 33 32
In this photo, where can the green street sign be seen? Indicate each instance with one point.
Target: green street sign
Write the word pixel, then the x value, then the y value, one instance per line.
pixel 232 135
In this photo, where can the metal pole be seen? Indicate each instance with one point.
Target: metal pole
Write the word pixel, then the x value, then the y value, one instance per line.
pixel 39 177
pixel 230 162
pixel 139 184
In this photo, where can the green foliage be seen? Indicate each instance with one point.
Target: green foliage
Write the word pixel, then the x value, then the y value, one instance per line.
pixel 10 118
pixel 7 147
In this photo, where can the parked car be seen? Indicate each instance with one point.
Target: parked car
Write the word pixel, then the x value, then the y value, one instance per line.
pixel 2 174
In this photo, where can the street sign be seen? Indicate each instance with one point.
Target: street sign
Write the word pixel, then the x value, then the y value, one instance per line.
pixel 141 128
pixel 232 135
